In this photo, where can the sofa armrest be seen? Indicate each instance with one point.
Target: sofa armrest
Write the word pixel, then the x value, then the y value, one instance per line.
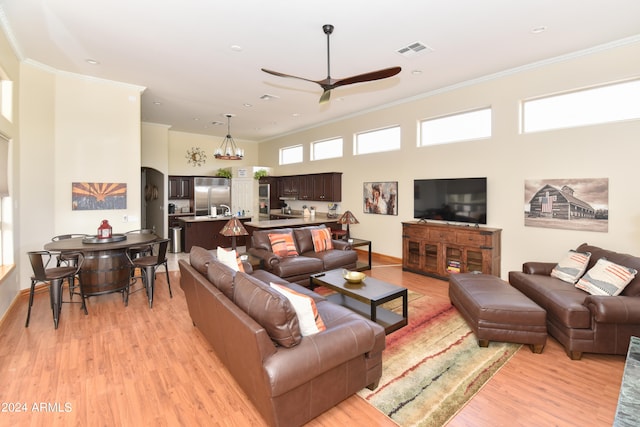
pixel 540 268
pixel 288 368
pixel 269 259
pixel 618 309
pixel 342 245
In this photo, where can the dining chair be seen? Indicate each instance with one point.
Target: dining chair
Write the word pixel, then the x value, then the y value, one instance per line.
pixel 54 276
pixel 140 250
pixel 149 264
pixel 70 259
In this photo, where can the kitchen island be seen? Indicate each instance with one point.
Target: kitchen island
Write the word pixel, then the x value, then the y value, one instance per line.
pixel 204 231
pixel 291 221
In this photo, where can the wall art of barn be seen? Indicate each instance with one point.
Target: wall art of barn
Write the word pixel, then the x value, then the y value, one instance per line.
pixel 568 204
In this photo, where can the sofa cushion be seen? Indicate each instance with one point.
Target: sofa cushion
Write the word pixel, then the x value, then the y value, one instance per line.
pixel 269 308
pixel 304 241
pixel 572 266
pixel 282 244
pixel 335 258
pixel 296 266
pixel 321 239
pixel 633 288
pixel 222 277
pixel 606 278
pixel 199 258
pixel 308 318
pixel 561 300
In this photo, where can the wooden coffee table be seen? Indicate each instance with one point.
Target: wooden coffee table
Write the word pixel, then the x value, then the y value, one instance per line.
pixel 365 298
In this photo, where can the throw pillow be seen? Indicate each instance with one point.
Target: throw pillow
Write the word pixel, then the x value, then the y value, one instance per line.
pixel 572 266
pixel 282 244
pixel 305 307
pixel 321 239
pixel 229 258
pixel 606 278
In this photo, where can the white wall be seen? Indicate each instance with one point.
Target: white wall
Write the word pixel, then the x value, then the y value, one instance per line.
pixel 73 129
pixel 507 159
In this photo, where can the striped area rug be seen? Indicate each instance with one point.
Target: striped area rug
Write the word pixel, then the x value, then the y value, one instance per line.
pixel 433 366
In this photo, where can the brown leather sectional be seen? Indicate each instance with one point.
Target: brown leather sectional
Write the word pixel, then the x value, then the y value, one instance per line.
pixel 297 269
pixel 579 321
pixel 298 378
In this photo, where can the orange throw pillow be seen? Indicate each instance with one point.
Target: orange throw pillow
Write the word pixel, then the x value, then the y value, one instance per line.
pixel 282 244
pixel 321 239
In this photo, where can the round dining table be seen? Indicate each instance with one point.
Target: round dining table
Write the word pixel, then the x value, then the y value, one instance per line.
pixel 106 267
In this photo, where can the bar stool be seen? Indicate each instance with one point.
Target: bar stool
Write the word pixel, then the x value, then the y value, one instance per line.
pixel 55 277
pixel 70 259
pixel 140 250
pixel 149 264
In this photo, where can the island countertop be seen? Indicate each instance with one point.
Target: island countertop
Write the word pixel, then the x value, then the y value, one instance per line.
pixel 204 218
pixel 290 222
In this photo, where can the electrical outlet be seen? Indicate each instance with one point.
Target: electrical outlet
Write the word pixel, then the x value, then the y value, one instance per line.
pixel 125 218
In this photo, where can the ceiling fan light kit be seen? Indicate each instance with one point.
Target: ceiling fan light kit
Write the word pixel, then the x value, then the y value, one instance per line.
pixel 328 84
pixel 228 149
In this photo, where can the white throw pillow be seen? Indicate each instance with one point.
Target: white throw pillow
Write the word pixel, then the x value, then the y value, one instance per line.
pixel 305 307
pixel 606 278
pixel 228 258
pixel 572 266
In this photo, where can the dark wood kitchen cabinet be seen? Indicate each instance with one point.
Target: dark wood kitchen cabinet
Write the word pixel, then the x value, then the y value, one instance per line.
pixel 180 187
pixel 320 187
pixel 206 234
pixel 327 187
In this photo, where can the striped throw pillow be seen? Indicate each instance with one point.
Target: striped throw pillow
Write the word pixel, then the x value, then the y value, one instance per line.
pixel 321 239
pixel 282 244
pixel 572 266
pixel 606 278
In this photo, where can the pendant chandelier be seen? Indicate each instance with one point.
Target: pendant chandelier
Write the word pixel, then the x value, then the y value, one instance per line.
pixel 228 150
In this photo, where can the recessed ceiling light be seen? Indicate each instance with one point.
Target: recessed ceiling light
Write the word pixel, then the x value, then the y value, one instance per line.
pixel 538 30
pixel 217 123
pixel 92 61
pixel 267 97
pixel 157 103
pixel 246 104
pixel 296 114
pixel 196 119
pixel 416 72
pixel 236 48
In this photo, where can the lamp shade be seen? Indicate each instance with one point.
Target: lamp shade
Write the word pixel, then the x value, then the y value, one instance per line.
pixel 348 218
pixel 233 227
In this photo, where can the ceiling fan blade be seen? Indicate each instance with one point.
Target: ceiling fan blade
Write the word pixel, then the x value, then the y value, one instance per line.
pixel 325 96
pixel 367 77
pixel 275 73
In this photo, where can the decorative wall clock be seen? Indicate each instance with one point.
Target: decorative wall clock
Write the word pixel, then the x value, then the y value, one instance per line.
pixel 196 156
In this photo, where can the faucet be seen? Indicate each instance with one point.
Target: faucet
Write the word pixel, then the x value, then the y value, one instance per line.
pixel 228 211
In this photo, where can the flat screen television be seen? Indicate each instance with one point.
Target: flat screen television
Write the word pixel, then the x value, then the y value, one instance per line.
pixel 451 200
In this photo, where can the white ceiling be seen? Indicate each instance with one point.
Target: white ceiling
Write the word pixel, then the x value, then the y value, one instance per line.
pixel 201 59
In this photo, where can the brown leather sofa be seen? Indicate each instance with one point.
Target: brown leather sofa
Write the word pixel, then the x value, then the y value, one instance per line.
pixel 296 380
pixel 579 321
pixel 297 269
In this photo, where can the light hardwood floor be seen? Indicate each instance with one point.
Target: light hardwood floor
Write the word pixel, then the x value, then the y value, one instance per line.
pixel 150 367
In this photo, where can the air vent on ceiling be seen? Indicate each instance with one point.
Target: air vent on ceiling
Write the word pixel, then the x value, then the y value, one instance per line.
pixel 413 49
pixel 216 123
pixel 267 97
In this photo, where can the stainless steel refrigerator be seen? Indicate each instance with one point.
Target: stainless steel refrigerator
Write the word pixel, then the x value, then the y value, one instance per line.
pixel 212 196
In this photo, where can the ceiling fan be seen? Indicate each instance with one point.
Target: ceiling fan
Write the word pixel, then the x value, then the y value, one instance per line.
pixel 328 84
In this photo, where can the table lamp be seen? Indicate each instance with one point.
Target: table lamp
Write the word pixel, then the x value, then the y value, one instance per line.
pixel 348 218
pixel 232 229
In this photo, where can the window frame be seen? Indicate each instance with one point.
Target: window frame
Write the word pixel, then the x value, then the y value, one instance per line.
pixel 357 142
pixel 455 139
pixel 312 151
pixel 291 147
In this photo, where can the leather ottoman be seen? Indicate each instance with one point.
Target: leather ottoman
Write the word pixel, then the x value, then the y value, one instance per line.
pixel 496 311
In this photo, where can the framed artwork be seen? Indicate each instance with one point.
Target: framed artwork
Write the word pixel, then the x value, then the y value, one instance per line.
pixel 380 198
pixel 571 204
pixel 91 196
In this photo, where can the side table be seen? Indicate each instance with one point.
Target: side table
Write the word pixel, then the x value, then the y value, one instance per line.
pixel 361 242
